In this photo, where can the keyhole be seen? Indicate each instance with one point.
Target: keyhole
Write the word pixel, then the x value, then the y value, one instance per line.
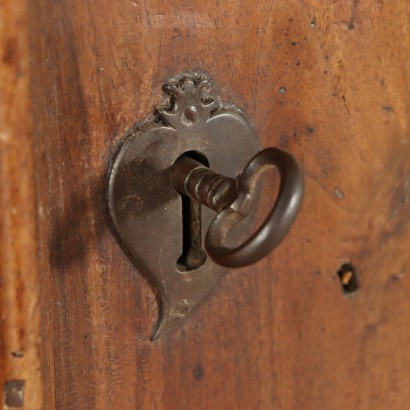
pixel 193 256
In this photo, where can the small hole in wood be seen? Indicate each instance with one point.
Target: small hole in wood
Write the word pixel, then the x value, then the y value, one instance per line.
pixel 348 278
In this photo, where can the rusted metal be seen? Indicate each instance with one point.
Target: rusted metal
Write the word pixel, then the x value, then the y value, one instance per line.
pixel 13 391
pixel 233 198
pixel 192 178
pixel 146 210
pixel 161 229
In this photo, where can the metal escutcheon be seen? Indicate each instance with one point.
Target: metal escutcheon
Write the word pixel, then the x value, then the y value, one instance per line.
pixel 195 156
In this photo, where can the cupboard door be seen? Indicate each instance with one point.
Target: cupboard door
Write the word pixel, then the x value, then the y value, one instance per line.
pixel 322 323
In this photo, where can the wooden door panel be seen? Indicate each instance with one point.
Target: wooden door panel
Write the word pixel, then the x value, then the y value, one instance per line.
pixel 327 81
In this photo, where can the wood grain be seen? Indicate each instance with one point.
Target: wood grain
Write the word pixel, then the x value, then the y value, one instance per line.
pixel 19 276
pixel 326 80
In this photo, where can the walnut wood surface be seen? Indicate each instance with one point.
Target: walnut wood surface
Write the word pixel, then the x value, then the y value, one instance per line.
pixel 19 276
pixel 329 81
